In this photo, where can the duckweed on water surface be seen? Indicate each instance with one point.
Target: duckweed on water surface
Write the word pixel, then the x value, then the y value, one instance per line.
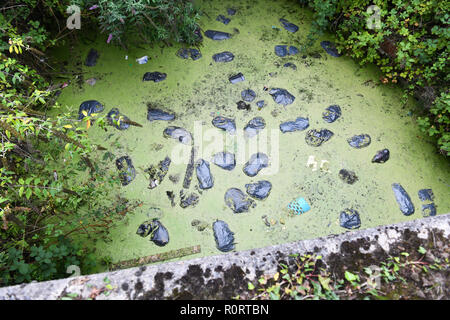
pixel 197 91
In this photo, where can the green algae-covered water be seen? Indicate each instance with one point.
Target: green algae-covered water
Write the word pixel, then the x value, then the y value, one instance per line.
pixel 197 91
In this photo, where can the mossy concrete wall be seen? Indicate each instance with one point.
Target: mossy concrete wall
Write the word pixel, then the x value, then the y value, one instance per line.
pixel 224 276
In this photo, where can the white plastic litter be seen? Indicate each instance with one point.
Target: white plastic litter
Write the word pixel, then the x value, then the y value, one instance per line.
pixel 142 60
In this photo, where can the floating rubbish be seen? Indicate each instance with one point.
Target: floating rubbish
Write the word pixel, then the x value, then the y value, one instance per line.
pixel 217 35
pixel 426 195
pixel 154 76
pixel 403 199
pixel 350 219
pixel 330 48
pixel 257 162
pixel 225 160
pixel 188 200
pixel 281 96
pixel 289 26
pixel 205 179
pixel 127 173
pixel 298 125
pixel 226 124
pixel 223 235
pixel 332 113
pixel 158 233
pixel 237 201
pixel 142 60
pixel 89 107
pixel 428 210
pixel 381 157
pixel 117 120
pixel 299 206
pixel 315 137
pixel 348 176
pixel 158 172
pixel 359 141
pixel 236 78
pixel 259 190
pixel 225 56
pixel 91 81
pixel 91 59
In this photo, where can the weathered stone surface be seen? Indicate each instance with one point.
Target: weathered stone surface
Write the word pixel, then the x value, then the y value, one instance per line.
pixel 225 160
pixel 154 76
pixel 403 199
pixel 281 96
pixel 299 124
pixel 257 162
pixel 315 138
pixel 237 201
pixel 359 141
pixel 223 236
pixel 259 190
pixel 254 126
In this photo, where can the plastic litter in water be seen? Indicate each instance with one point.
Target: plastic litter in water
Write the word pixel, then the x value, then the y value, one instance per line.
pixel 142 60
pixel 299 206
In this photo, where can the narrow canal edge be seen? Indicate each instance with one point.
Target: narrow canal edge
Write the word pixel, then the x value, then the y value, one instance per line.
pixel 226 275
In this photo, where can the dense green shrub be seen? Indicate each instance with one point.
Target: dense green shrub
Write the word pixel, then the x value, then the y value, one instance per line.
pixel 151 20
pixel 51 176
pixel 410 48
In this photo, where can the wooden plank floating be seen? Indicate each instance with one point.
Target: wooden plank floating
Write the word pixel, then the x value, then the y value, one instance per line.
pixel 172 254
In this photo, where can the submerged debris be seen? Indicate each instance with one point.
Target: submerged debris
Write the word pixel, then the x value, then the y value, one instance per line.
pixel 158 114
pixel 180 134
pixel 403 199
pixel 257 162
pixel 231 11
pixel 359 141
pixel 223 236
pixel 289 26
pixel 117 120
pixel 90 107
pixel 154 76
pixel 348 176
pixel 332 113
pixel 237 201
pixel 259 190
pixel 281 96
pixel 225 160
pixel 188 200
pixel 315 138
pixel 350 219
pixel 226 124
pixel 217 35
pixel 330 48
pixel 91 59
pixel 157 173
pixel 299 124
pixel 225 56
pixel 381 157
pixel 127 173
pixel 205 179
pixel 254 126
pixel 236 78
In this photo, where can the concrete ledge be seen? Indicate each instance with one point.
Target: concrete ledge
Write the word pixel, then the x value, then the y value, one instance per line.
pixel 224 276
